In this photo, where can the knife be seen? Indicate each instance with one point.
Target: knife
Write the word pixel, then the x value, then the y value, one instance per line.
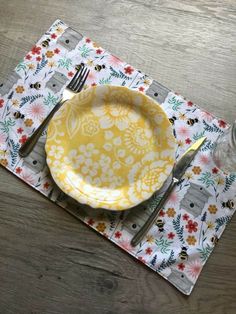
pixel 177 173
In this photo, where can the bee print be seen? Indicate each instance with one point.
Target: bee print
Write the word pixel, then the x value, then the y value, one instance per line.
pixel 191 122
pixel 172 120
pixel 160 224
pixel 36 85
pixel 214 239
pixel 79 66
pixel 45 43
pixel 99 67
pixel 183 254
pixel 229 204
pixel 18 115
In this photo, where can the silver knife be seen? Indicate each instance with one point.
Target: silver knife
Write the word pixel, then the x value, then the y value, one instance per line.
pixel 177 173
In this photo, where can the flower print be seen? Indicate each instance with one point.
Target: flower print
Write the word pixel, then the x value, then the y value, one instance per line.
pixel 171 235
pixel 116 165
pixel 212 209
pixel 161 213
pixel 96 45
pixel 188 175
pixel 191 240
pixel 49 54
pixel 215 170
pixel 188 141
pixel 150 239
pixel 23 139
pixel 142 260
pixel 185 217
pixel 148 251
pixel 15 102
pixel 89 168
pixel 38 58
pixel 56 51
pixel 30 66
pixel 98 51
pixel 183 117
pixel 107 176
pixel 46 185
pixel 181 266
pixel 194 268
pixel 220 181
pixel 128 70
pixel 101 227
pixel 141 89
pixel 204 159
pixel 88 150
pixel 88 40
pixel 191 226
pixel 189 103
pixel 28 57
pixel 196 170
pixel 35 50
pixel 59 29
pixel 18 170
pixel 28 122
pixel 222 123
pixel 20 130
pixel 2 138
pixel 206 116
pixel 137 139
pixel 90 127
pixel 105 162
pixel 210 225
pixel 70 74
pixel 113 60
pixel 27 177
pixel 180 143
pixel 19 89
pixel 183 131
pixel 125 244
pixel 56 151
pixel 118 234
pixel 74 158
pixel 90 222
pixel 36 111
pixel 170 212
pixel 1 103
pixel 52 64
pixel 93 84
pixel 4 162
pixel 116 182
pixel 53 36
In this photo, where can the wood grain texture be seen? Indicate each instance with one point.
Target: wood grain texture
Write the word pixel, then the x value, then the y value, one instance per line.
pixel 50 262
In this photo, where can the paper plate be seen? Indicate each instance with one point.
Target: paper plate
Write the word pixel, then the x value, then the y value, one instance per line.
pixel 110 147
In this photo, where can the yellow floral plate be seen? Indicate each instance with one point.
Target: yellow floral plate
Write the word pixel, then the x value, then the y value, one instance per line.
pixel 110 147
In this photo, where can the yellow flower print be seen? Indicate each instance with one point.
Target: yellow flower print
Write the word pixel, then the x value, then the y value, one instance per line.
pixel 59 30
pixel 146 81
pixel 182 116
pixel 196 170
pixel 150 239
pixel 90 127
pixel 15 103
pixel 101 227
pixel 180 143
pixel 170 212
pixel 90 63
pixel 220 181
pixel 4 162
pixel 210 225
pixel 29 122
pixel 188 175
pixel 51 64
pixel 191 240
pixel 212 209
pixel 96 45
pixel 19 89
pixel 49 54
pixel 31 66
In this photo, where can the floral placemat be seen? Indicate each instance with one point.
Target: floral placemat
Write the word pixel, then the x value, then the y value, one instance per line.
pixel 197 211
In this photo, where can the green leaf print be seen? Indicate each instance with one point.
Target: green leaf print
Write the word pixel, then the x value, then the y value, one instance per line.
pixel 208 145
pixel 20 66
pixel 41 65
pixel 179 229
pixel 205 252
pixel 212 128
pixel 221 221
pixel 14 152
pixel 229 181
pixel 199 135
pixel 106 81
pixel 163 245
pixel 119 74
pixel 85 51
pixel 207 179
pixel 6 125
pixel 50 100
pixel 167 263
pixel 175 103
pixel 29 99
pixel 65 63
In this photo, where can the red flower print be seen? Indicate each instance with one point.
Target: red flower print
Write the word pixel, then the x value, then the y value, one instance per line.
pixel 53 36
pixel 88 40
pixel 162 213
pixel 56 50
pixel 91 222
pixel 183 131
pixel 188 140
pixel 28 57
pixel 1 103
pixel 171 235
pixel 222 123
pixel 23 139
pixel 191 226
pixel 118 234
pixel 181 266
pixel 36 50
pixel 98 51
pixel 189 103
pixel 128 70
pixel 46 185
pixel 70 74
pixel 20 130
pixel 141 89
pixel 215 170
pixel 18 170
pixel 185 217
pixel 141 259
pixel 93 84
pixel 148 251
pixel 204 159
pixel 38 58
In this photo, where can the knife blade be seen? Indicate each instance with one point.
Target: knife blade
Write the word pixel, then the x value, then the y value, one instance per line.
pixel 177 173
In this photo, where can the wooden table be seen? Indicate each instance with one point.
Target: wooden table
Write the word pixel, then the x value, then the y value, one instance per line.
pixel 49 261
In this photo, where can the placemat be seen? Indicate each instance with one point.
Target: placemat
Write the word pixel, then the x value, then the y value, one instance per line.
pixel 197 211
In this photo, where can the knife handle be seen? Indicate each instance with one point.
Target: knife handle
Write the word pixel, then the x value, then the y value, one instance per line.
pixel 151 220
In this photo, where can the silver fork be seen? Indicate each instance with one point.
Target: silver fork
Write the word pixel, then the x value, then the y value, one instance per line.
pixel 74 87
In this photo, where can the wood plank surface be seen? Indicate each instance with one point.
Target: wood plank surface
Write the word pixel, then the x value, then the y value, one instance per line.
pixel 52 263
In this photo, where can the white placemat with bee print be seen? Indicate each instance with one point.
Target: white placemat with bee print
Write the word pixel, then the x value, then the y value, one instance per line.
pixel 197 211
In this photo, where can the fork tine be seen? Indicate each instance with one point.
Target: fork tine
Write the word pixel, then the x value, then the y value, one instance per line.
pixel 75 87
pixel 72 83
pixel 82 81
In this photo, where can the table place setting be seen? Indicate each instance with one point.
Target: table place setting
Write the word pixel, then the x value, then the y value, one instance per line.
pixel 140 164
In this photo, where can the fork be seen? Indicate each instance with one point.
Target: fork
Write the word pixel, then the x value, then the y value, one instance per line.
pixel 74 87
